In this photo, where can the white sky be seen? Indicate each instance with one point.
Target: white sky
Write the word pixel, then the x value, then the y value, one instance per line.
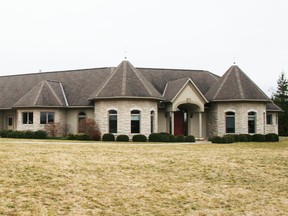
pixel 54 35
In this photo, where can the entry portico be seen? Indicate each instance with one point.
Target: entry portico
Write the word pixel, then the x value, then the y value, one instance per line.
pixel 186 108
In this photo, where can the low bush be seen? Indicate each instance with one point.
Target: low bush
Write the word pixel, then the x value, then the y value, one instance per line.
pixel 23 134
pixel 154 137
pixel 40 134
pixel 164 137
pixel 243 138
pixel 228 139
pixel 190 138
pixel 172 138
pixel 139 138
pixel 180 138
pixel 236 137
pixel 108 137
pixel 216 139
pixel 122 138
pixel 78 137
pixel 259 138
pixel 272 137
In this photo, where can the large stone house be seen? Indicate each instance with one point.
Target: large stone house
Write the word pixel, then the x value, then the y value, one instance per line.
pixel 129 100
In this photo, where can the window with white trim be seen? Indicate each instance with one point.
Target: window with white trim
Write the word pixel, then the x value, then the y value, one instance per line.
pixel 251 122
pixel 112 121
pixel 230 122
pixel 47 117
pixel 27 117
pixel 135 121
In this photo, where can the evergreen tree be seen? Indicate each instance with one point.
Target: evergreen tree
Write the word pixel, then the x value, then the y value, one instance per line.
pixel 280 98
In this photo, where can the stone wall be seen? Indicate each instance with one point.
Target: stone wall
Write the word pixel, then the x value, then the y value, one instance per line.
pixel 241 110
pixel 60 116
pixel 124 108
pixel 273 128
pixel 212 121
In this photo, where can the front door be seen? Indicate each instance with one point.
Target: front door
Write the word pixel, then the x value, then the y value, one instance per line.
pixel 179 124
pixel 10 125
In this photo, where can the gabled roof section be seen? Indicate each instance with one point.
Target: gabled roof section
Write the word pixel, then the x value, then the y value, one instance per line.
pixel 44 94
pixel 173 88
pixel 125 81
pixel 235 85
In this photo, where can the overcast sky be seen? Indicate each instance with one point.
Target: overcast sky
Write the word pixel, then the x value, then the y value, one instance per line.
pixel 53 35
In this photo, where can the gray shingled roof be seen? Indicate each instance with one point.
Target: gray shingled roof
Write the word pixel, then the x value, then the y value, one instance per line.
pixel 271 107
pixel 235 85
pixel 125 81
pixel 173 87
pixel 160 77
pixel 75 87
pixel 46 93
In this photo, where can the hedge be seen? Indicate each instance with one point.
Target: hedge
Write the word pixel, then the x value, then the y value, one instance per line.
pixel 23 134
pixel 139 138
pixel 122 138
pixel 80 136
pixel 190 138
pixel 108 137
pixel 245 138
pixel 180 138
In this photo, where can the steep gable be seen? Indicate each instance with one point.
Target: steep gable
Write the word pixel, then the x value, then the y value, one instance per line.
pixel 46 93
pixel 235 85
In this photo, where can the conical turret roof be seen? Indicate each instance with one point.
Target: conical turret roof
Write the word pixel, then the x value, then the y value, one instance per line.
pixel 126 81
pixel 235 85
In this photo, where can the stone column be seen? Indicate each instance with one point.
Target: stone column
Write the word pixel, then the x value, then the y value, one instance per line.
pixel 200 124
pixel 172 123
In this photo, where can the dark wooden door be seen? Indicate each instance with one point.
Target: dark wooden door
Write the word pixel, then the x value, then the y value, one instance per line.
pixel 179 123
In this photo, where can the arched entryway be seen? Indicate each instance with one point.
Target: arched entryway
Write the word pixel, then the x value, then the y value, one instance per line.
pixel 181 122
pixel 187 120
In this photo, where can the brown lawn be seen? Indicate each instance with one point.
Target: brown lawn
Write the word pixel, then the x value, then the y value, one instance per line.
pixel 124 179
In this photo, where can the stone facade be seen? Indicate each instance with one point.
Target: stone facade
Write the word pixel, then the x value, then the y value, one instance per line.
pixel 217 118
pixel 60 116
pixel 212 121
pixel 124 108
pixel 273 127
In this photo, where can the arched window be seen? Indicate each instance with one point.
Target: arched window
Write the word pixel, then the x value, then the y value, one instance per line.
pixel 251 122
pixel 152 121
pixel 135 121
pixel 230 122
pixel 112 121
pixel 81 116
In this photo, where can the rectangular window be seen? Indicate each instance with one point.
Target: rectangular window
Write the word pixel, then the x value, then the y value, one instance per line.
pixel 251 125
pixel 10 121
pixel 113 124
pixel 47 117
pixel 135 123
pixel 269 119
pixel 27 117
pixel 230 124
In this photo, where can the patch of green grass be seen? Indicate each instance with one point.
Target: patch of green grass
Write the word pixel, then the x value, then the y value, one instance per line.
pixel 113 179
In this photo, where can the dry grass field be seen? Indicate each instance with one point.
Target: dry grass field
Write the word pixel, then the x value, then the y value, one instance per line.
pixel 134 179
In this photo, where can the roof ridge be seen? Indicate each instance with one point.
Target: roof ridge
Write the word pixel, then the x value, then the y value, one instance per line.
pixel 255 84
pixel 54 93
pixel 222 84
pixel 239 83
pixel 124 78
pixel 98 91
pixel 39 92
pixel 141 77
